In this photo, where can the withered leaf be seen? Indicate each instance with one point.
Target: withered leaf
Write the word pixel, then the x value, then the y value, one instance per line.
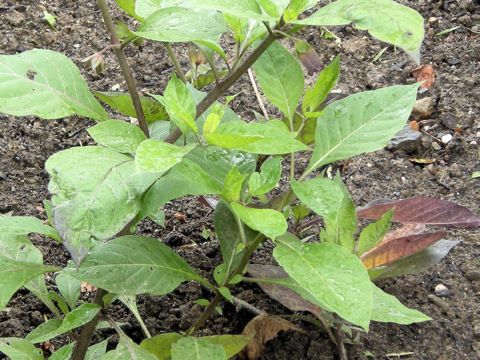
pixel 425 73
pixel 422 160
pixel 263 328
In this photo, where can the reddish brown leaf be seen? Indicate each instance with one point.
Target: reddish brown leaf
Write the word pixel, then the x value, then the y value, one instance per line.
pixel 87 288
pixel 208 201
pixel 263 328
pixel 47 348
pixel 424 73
pixel 414 125
pixel 405 230
pixel 180 217
pixel 422 210
pixel 390 251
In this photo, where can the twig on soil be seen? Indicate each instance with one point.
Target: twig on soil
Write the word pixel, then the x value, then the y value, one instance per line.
pixel 342 352
pixel 257 93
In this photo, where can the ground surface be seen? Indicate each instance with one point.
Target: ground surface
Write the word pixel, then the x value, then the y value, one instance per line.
pixel 25 144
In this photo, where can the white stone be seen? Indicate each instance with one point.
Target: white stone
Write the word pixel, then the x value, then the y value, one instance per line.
pixel 447 138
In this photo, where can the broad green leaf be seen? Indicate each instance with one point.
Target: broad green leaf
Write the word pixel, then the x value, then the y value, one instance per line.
pixel 76 318
pixel 281 78
pixel 24 225
pixel 159 156
pixel 267 179
pixel 178 24
pixel 233 185
pixel 69 287
pixel 179 104
pixel 269 222
pixel 122 102
pixel 374 233
pixel 318 93
pixel 117 135
pixel 193 348
pixel 94 352
pixel 129 7
pixel 386 308
pixel 361 123
pixel 159 130
pixel 240 8
pixel 255 138
pixel 128 350
pixel 46 84
pixel 336 277
pixel 185 178
pixel 386 20
pixel 232 344
pixel 96 193
pixel 20 349
pixel 159 345
pixel 63 353
pixel 131 265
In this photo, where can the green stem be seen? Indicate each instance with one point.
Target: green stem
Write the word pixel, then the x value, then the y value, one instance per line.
pixel 175 62
pixel 122 60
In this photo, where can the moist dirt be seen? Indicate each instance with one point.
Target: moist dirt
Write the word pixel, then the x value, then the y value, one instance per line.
pixel 454 332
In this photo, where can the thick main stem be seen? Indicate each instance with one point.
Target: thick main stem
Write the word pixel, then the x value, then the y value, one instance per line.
pixel 122 60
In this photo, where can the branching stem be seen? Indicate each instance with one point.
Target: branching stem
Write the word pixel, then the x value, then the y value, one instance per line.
pixel 175 62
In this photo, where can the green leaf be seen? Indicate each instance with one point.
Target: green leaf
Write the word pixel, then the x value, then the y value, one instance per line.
pixel 54 327
pixel 96 192
pixel 46 84
pixel 24 225
pixel 326 81
pixel 225 293
pixel 386 308
pixel 159 345
pixel 20 349
pixel 94 352
pixel 122 102
pixel 179 104
pixel 69 287
pixel 193 348
pixel 255 138
pixel 241 8
pixel 131 265
pixel 117 135
pixel 232 344
pixel 159 156
pixel 269 222
pixel 300 212
pixel 63 353
pixel 281 78
pixel 129 7
pixel 128 350
pixel 233 185
pixel 336 277
pixel 178 24
pixel 361 123
pixel 373 234
pixel 386 20
pixel 267 179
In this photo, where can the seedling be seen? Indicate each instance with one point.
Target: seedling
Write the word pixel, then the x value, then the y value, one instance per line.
pixel 100 193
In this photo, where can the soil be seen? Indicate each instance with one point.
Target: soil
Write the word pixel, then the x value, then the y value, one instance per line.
pixel 453 333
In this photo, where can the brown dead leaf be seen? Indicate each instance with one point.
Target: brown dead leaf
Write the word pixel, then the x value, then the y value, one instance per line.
pixel 180 217
pixel 86 288
pixel 425 73
pixel 414 125
pixel 263 328
pixel 47 348
pixel 458 130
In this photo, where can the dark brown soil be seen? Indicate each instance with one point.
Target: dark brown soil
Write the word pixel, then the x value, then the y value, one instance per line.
pixel 26 143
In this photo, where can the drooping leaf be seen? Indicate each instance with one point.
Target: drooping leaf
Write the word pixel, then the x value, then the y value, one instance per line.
pixel 386 308
pixel 386 20
pixel 422 210
pixel 281 78
pixel 267 179
pixel 263 328
pixel 24 225
pixel 197 349
pixel 416 263
pixel 159 156
pixel 159 345
pixel 117 135
pixel 395 249
pixel 179 104
pixel 96 193
pixel 54 327
pixel 46 84
pixel 255 138
pixel 374 233
pixel 122 102
pixel 269 222
pixel 335 276
pixel 361 123
pixel 131 265
pixel 20 349
pixel 178 24
pixel 69 287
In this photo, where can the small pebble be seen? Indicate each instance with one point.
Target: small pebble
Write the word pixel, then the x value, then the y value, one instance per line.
pixel 441 290
pixel 473 275
pixel 473 142
pixel 442 304
pixel 447 138
pixel 436 146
